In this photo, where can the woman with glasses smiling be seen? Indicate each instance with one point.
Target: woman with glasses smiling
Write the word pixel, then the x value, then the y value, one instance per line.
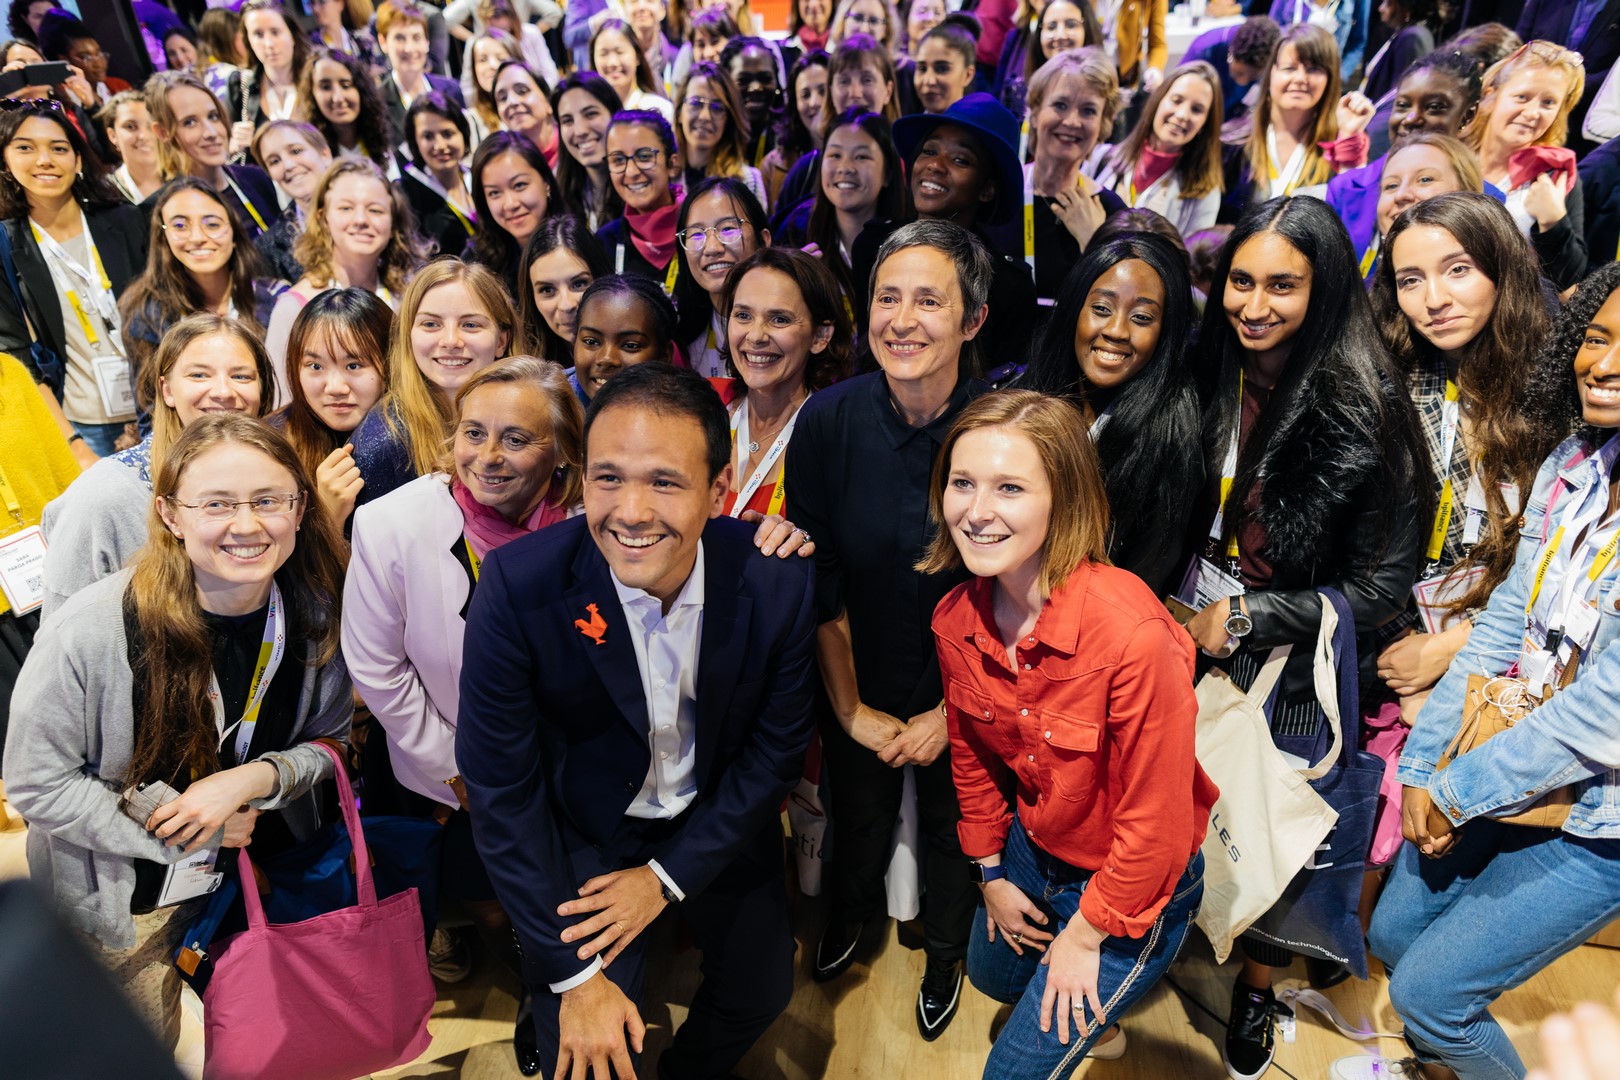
pixel 720 224
pixel 201 261
pixel 712 132
pixel 226 621
pixel 645 168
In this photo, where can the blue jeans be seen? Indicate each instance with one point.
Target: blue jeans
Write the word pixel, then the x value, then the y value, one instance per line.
pixel 1458 931
pixel 99 437
pixel 1129 968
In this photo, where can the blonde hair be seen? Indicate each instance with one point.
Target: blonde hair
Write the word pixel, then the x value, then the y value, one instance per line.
pixel 171 162
pixel 1530 55
pixel 564 413
pixel 166 425
pixel 396 13
pixel 1090 64
pixel 1313 47
pixel 1464 162
pixel 405 251
pixel 302 128
pixel 415 411
pixel 1077 530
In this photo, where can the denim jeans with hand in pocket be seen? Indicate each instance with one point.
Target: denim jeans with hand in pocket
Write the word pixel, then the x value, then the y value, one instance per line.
pixel 1129 966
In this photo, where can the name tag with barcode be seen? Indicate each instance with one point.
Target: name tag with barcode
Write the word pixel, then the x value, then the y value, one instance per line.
pixel 22 569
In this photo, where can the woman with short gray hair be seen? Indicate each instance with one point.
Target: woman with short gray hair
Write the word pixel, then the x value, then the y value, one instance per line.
pixel 929 291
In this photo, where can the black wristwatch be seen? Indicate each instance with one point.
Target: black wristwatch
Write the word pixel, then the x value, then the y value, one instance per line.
pixel 669 897
pixel 1238 624
pixel 984 875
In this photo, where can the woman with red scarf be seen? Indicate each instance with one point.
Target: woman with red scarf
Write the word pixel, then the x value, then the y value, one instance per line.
pixel 644 167
pixel 513 468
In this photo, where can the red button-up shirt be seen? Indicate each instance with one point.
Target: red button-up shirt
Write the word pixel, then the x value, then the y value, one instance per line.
pixel 1091 731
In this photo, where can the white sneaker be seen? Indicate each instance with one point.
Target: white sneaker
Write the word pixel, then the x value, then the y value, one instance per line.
pixel 1377 1068
pixel 1112 1050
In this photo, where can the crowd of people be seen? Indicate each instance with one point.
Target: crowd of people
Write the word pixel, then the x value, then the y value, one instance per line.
pixel 1095 370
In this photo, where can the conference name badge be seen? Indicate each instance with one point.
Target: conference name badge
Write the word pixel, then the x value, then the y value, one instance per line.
pixel 22 569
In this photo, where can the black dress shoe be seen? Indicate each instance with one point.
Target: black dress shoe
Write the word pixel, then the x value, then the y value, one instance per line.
pixel 1324 974
pixel 524 1043
pixel 939 996
pixel 836 950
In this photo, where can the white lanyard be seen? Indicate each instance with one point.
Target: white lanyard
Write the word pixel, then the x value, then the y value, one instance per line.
pixel 289 101
pixel 1101 422
pixel 1029 214
pixel 1585 511
pixel 270 653
pixel 98 287
pixel 1228 471
pixel 1290 174
pixel 247 204
pixel 739 430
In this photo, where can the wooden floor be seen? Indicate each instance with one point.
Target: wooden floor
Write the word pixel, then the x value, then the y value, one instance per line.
pixel 862 1025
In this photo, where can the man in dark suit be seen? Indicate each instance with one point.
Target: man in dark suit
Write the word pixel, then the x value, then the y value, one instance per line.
pixel 402 31
pixel 635 704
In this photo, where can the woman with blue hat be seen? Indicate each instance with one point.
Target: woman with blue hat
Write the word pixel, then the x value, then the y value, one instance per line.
pixel 963 165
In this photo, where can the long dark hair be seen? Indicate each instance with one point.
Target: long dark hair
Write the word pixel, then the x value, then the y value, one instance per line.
pixel 893 201
pixel 370 127
pixel 793 135
pixel 91 188
pixel 694 304
pixel 166 292
pixel 492 245
pixel 573 178
pixel 360 323
pixel 300 43
pixel 1554 366
pixel 1515 419
pixel 568 232
pixel 1337 335
pixel 1154 425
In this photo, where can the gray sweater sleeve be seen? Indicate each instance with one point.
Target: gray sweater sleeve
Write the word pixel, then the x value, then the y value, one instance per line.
pixel 92 529
pixel 70 719
pixel 330 712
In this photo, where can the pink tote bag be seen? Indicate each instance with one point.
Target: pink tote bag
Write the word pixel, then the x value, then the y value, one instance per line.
pixel 330 998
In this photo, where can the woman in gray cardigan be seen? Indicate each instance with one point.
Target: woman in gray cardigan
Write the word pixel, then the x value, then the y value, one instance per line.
pixel 209 665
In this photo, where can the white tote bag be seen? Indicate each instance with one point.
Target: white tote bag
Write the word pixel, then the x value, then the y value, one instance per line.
pixel 1267 821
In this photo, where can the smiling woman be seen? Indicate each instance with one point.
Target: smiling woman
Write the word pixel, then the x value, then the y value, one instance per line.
pixel 436 182
pixel 337 94
pixel 513 190
pixel 455 320
pixel 720 224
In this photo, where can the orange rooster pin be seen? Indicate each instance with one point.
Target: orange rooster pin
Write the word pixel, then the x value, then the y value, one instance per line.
pixel 596 629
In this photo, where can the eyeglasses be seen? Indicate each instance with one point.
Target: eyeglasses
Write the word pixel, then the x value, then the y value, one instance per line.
pixel 715 106
pixel 864 20
pixel 729 234
pixel 211 226
pixel 274 504
pixel 643 158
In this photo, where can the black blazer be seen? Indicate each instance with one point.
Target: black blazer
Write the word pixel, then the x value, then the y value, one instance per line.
pixel 552 736
pixel 434 218
pixel 615 235
pixel 120 235
pixel 396 104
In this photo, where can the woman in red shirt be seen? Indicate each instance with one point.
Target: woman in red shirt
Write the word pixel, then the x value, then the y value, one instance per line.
pixel 788 335
pixel 1069 700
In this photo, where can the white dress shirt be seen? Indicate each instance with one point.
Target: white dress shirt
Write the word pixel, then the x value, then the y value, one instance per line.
pixel 667 655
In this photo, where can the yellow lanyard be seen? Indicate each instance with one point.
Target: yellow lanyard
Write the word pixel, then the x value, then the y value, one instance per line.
pixel 270 650
pixel 778 496
pixel 247 204
pixel 1369 258
pixel 669 275
pixel 10 497
pixel 1227 481
pixel 1029 220
pixel 1442 516
pixel 473 560
pixel 1600 563
pixel 759 151
pixel 48 243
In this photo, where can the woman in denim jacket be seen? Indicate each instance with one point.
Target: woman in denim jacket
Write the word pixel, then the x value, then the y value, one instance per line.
pixel 1475 906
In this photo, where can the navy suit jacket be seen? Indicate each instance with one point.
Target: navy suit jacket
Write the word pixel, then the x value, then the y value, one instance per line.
pixel 552 736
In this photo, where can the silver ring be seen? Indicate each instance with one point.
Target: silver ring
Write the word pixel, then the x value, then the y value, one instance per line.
pixel 1018 939
pixel 805 534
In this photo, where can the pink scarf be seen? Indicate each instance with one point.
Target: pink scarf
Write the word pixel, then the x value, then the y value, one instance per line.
pixel 1527 164
pixel 654 233
pixel 487 530
pixel 1152 165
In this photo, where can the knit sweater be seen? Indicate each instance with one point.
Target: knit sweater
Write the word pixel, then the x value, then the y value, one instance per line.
pixel 93 527
pixel 33 453
pixel 72 730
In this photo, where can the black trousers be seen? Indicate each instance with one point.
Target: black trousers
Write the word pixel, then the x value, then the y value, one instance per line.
pixel 16 640
pixel 864 799
pixel 741 926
